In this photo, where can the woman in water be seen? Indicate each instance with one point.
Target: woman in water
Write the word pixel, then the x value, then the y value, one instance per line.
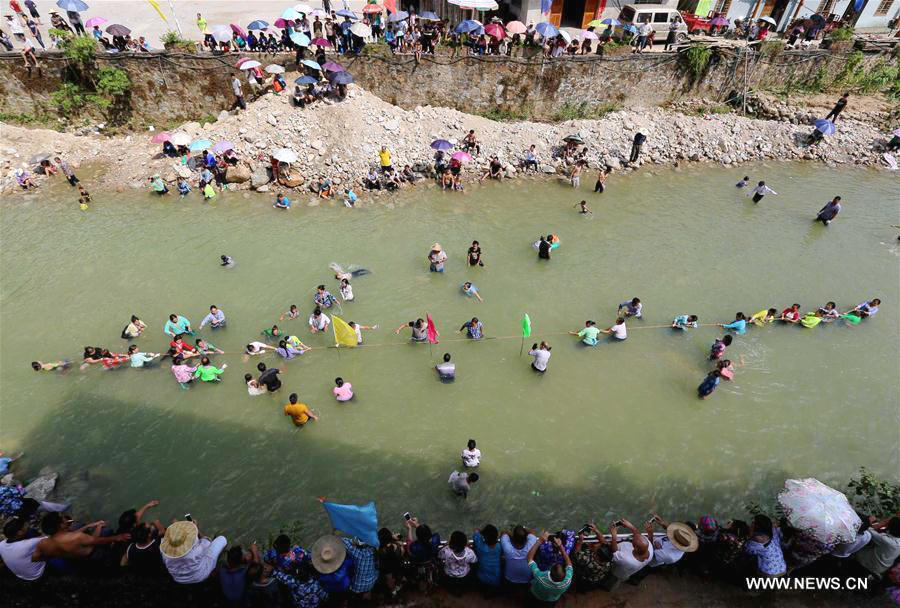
pixel 707 387
pixel 828 312
pixel 764 316
pixel 346 290
pixel 134 329
pixel 739 325
pixel 791 315
pixel 207 372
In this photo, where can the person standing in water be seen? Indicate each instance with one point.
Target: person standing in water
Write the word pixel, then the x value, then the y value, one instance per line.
pixel 760 191
pixel 541 356
pixel 583 208
pixel 708 385
pixel 743 183
pixel 827 213
pixel 544 247
pixel 436 258
pixel 134 329
pixel 215 318
pixel 473 256
pixel 600 184
pixel 446 370
pixel 419 330
pixel 227 261
pixel 589 334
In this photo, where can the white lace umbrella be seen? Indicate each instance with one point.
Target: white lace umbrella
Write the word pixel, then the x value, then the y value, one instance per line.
pixel 819 511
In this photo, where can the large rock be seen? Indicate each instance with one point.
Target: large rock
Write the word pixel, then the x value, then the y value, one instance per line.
pixel 260 176
pixel 291 180
pixel 40 488
pixel 237 174
pixel 183 171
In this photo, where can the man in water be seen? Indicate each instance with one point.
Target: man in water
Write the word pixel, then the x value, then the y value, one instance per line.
pixel 436 258
pixel 269 377
pixel 632 308
pixel 869 308
pixel 544 247
pixel 48 367
pixel 227 261
pixel 461 483
pixel 474 329
pixel 318 321
pixel 583 208
pixel 541 356
pixel 419 330
pixel 67 171
pixel 589 334
pixel 215 318
pixel 829 211
pixel 618 330
pixel 446 370
pixel 760 191
pixel 299 412
pixel 637 142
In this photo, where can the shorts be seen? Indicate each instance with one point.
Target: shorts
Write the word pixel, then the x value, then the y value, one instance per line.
pixel 575 181
pixel 434 268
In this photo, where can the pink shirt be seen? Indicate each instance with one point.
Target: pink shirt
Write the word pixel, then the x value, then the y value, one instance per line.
pixel 343 392
pixel 183 373
pixel 727 372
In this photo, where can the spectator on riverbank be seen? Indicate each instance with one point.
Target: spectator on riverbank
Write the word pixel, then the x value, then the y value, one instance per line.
pixel 629 557
pixel 884 547
pixel 423 546
pixel 62 543
pixel 456 559
pixel 488 551
pixel 592 561
pixel 548 585
pixel 838 108
pixel 765 545
pixel 189 556
pixel 516 547
pixel 18 547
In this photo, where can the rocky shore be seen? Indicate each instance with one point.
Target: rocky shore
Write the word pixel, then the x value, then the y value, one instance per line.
pixel 341 141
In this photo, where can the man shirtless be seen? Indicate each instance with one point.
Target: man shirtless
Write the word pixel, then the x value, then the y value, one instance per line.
pixel 71 544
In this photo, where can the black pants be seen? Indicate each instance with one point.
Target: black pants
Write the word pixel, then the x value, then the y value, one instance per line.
pixel 239 102
pixel 72 180
pixel 598 187
pixel 79 28
pixel 757 197
pixel 635 152
pixel 834 114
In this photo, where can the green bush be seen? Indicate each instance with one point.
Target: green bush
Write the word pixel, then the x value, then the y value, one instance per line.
pixel 771 48
pixel 841 34
pixel 113 82
pixel 172 40
pixel 696 59
pixel 503 115
pixel 82 49
pixel 70 98
pixel 873 496
pixel 584 111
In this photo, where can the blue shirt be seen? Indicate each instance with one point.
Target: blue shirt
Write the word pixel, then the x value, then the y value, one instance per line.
pixel 488 560
pixel 284 202
pixel 339 580
pixel 308 594
pixel 769 557
pixel 517 570
pixel 739 326
pixel 682 321
pixel 868 308
pixel 471 291
pixel 213 318
pixel 183 188
pixel 178 327
pixel 475 331
pixel 351 196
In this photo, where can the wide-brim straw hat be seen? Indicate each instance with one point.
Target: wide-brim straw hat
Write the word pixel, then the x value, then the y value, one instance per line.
pixel 436 247
pixel 328 554
pixel 180 538
pixel 683 537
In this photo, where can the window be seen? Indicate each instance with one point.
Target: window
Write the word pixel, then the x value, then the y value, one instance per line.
pixel 825 7
pixel 883 8
pixel 660 17
pixel 646 1
pixel 722 7
pixel 627 15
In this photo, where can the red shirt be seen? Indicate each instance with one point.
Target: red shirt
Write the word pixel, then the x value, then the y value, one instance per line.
pixel 790 313
pixel 179 348
pixel 15 6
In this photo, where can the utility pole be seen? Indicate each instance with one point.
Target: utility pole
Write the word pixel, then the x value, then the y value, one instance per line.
pixel 175 16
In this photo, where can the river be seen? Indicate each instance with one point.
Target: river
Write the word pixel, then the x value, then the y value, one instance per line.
pixel 612 430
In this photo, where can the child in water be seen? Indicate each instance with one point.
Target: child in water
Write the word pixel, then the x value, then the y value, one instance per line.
pixel 743 183
pixel 707 387
pixel 583 209
pixel 718 347
pixel 686 322
pixel 471 291
pixel 292 313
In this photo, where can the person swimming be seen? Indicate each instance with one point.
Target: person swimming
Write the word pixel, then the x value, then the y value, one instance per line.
pixel 292 313
pixel 686 322
pixel 348 273
pixel 62 366
pixel 583 208
pixel 227 261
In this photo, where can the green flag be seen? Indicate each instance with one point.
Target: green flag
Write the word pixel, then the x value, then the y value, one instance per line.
pixel 526 326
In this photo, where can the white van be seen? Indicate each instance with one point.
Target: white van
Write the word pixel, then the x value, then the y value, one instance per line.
pixel 659 17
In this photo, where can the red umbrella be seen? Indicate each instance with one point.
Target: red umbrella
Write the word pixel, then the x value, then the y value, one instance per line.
pixel 161 137
pixel 320 42
pixel 495 30
pixel 238 30
pixel 372 9
pixel 281 23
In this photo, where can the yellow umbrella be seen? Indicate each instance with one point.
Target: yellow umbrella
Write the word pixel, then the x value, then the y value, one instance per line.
pixel 595 23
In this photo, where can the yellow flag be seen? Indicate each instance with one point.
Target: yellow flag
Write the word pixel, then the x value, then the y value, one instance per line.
pixel 344 335
pixel 155 5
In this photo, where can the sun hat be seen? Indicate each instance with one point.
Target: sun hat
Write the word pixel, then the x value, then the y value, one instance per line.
pixel 328 554
pixel 436 247
pixel 682 537
pixel 180 538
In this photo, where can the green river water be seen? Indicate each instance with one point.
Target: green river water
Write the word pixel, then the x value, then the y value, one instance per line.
pixel 613 430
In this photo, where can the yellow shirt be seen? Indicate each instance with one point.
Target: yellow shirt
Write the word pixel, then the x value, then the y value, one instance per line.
pixel 385 156
pixel 299 412
pixel 760 317
pixel 201 25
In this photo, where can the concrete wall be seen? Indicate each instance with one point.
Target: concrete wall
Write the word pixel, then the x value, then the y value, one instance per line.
pixel 168 90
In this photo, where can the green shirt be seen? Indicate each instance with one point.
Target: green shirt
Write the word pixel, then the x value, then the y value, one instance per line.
pixel 208 373
pixel 589 335
pixel 545 588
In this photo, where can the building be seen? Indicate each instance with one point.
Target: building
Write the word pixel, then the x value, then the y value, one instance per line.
pixel 874 14
pixel 576 13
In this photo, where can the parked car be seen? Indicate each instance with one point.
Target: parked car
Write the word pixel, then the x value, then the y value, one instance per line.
pixel 659 17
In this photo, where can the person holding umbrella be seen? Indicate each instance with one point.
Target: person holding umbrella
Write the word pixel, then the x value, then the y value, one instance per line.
pixel 75 20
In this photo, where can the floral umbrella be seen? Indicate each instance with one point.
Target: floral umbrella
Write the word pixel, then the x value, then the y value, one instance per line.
pixel 819 511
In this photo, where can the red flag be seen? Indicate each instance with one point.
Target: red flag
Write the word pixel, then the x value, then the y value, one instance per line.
pixel 390 5
pixel 433 333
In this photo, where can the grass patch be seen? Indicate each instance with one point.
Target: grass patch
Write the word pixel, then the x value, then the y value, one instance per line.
pixel 696 59
pixel 504 115
pixel 29 120
pixel 584 111
pixel 719 108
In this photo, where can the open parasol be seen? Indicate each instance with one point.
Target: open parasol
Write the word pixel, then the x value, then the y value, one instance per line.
pixel 819 511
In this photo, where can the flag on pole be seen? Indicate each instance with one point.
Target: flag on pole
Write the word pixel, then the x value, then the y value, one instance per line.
pixel 344 335
pixel 433 333
pixel 526 326
pixel 155 5
pixel 352 520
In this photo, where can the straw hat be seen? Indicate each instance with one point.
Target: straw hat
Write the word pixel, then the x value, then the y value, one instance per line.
pixel 328 554
pixel 179 539
pixel 683 537
pixel 436 247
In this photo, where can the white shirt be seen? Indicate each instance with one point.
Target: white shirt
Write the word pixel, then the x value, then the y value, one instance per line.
pixel 541 358
pixel 347 292
pixel 196 565
pixel 471 458
pixel 259 346
pixel 848 549
pixel 358 334
pixel 320 323
pixel 455 565
pixel 664 552
pixel 15 27
pixel 619 331
pixel 236 87
pixel 645 29
pixel 624 562
pixel 255 390
pixel 762 190
pixel 17 557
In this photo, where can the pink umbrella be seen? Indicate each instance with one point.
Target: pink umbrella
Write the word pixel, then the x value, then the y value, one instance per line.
pixel 516 27
pixel 320 42
pixel 281 23
pixel 372 9
pixel 161 137
pixel 240 61
pixel 719 21
pixel 95 21
pixel 331 66
pixel 495 30
pixel 589 35
pixel 238 30
pixel 462 157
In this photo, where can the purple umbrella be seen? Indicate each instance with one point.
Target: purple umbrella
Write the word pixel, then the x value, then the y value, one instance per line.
pixel 330 66
pixel 462 157
pixel 441 144
pixel 238 30
pixel 281 23
pixel 118 30
pixel 223 146
pixel 718 21
pixel 340 77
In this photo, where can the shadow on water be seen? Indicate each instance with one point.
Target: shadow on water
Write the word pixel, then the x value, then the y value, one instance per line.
pixel 212 475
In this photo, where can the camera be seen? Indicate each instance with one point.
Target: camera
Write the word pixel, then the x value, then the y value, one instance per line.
pixel 407 516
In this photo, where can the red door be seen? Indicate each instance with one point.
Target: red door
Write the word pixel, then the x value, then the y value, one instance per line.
pixel 591 10
pixel 556 12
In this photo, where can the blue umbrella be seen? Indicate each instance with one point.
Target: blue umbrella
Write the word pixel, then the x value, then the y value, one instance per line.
pixel 629 27
pixel 340 77
pixel 547 30
pixel 72 5
pixel 306 80
pixel 441 144
pixel 259 24
pixel 429 16
pixel 311 64
pixel 299 39
pixel 825 127
pixel 398 16
pixel 345 13
pixel 200 144
pixel 612 22
pixel 290 14
pixel 467 26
